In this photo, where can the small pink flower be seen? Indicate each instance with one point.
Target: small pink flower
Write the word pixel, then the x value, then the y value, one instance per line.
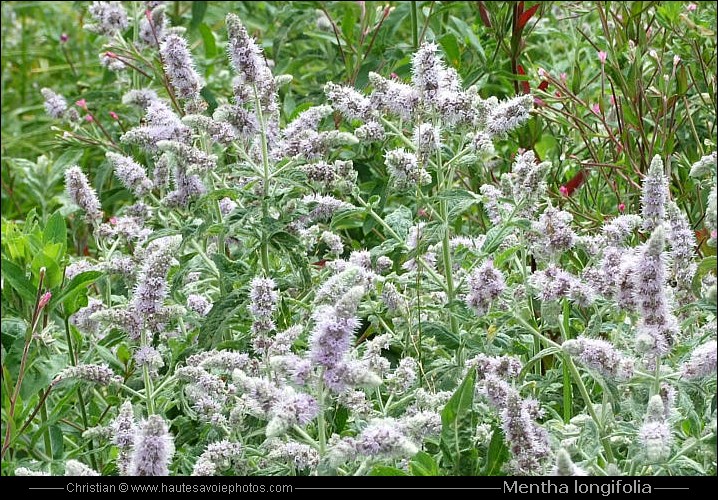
pixel 64 38
pixel 113 220
pixel 602 56
pixel 539 102
pixel 691 7
pixel 394 76
pixel 114 115
pixel 541 73
pixel 563 77
pixel 82 104
pixel 596 109
pixel 44 299
pixel 563 190
pixel 676 60
pixel 714 234
pixel 621 207
pixel 89 118
pixel 612 100
pixel 111 55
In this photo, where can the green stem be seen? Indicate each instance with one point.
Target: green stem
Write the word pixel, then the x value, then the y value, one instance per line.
pixel 162 385
pixel 321 423
pixel 589 405
pixel 265 184
pixel 414 25
pixel 567 392
pixel 442 185
pixel 149 392
pixel 46 434
pixel 80 399
pixel 131 391
pixel 310 441
pixel 378 218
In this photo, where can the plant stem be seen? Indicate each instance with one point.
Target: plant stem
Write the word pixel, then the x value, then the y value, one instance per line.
pixel 23 362
pixel 414 26
pixel 265 183
pixel 80 399
pixel 46 434
pixel 321 423
pixel 149 392
pixel 442 185
pixel 589 405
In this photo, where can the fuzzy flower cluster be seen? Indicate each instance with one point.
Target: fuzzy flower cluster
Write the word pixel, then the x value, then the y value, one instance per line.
pixel 56 106
pixel 655 434
pixel 332 335
pixel 404 170
pixel 702 362
pixel 554 234
pixel 82 194
pixel 654 194
pixel 216 457
pixel 553 283
pixel 525 185
pixel 382 438
pixel 108 18
pixel 131 174
pixel 486 283
pixel 565 466
pixel 179 67
pixel 436 90
pixel 263 301
pixel 658 327
pixel 299 455
pixel 153 448
pixel 124 434
pixel 95 374
pixel 527 440
pixel 601 356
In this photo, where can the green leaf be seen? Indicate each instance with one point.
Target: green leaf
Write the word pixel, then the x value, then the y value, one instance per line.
pixel 341 415
pixel 48 258
pixel 494 237
pixel 466 30
pixel 423 464
pixel 12 329
pixel 348 22
pixel 457 427
pixel 17 278
pixel 74 287
pixel 219 318
pixel 497 454
pixel 58 443
pixel 707 265
pixel 210 98
pixel 199 9
pixel 442 335
pixel 451 48
pixel 210 44
pixel 383 470
pixel 400 220
pixel 55 230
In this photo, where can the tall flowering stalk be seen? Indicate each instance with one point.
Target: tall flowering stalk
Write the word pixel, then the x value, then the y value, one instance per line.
pixel 82 194
pixel 658 327
pixel 654 195
pixel 153 448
